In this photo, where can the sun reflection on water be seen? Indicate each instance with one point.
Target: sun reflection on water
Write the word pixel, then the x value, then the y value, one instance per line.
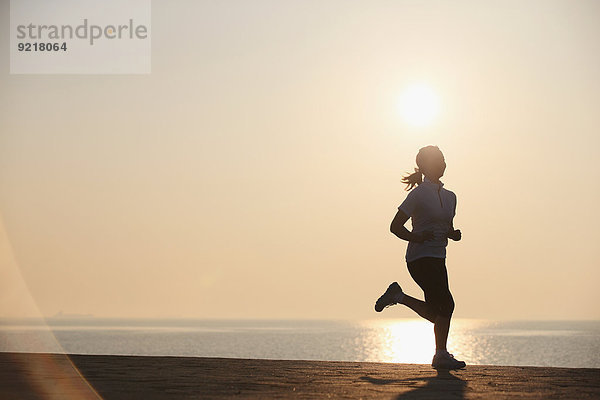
pixel 412 340
pixel 399 341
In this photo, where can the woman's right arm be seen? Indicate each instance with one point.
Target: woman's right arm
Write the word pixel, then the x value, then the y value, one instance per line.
pixel 397 228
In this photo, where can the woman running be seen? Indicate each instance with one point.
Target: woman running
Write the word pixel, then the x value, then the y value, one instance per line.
pixel 431 209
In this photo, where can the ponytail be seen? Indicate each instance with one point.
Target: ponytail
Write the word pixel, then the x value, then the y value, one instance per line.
pixel 413 179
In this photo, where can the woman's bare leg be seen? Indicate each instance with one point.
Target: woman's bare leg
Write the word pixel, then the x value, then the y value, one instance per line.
pixel 441 327
pixel 420 307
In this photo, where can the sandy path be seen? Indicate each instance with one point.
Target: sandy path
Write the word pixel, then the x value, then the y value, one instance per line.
pixel 45 376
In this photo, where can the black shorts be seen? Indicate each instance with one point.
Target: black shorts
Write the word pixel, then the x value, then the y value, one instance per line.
pixel 431 275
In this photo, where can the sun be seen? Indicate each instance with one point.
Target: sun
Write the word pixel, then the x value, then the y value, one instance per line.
pixel 419 105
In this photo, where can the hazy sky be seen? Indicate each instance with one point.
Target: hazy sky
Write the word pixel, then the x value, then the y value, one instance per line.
pixel 254 173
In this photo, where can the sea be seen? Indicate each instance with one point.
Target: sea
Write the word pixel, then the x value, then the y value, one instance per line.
pixel 520 343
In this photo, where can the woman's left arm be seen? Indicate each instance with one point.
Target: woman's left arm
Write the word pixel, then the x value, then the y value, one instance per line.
pixel 454 234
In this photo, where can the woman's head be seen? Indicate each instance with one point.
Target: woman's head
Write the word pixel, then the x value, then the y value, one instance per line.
pixel 430 162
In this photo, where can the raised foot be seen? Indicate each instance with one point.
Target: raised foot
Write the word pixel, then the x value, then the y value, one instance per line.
pixel 389 298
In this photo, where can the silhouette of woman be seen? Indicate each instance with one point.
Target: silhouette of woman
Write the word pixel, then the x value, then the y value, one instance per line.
pixel 431 208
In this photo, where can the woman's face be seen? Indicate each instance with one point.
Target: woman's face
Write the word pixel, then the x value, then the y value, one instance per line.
pixel 435 166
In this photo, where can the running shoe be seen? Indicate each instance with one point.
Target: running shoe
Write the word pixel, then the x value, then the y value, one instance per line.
pixel 447 361
pixel 389 298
